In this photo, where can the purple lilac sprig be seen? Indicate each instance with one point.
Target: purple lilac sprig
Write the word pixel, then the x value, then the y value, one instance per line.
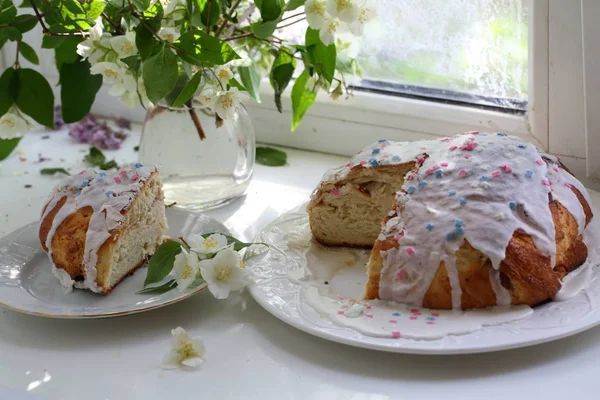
pixel 58 119
pixel 97 133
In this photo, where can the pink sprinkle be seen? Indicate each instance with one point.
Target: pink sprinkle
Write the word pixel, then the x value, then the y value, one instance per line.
pixel 568 185
pixel 413 317
pixel 429 171
pixel 369 315
pixel 335 191
pixel 555 169
pixel 545 182
pixel 430 323
pixel 340 312
pixel 453 147
pixel 468 146
pixel 502 166
pixel 363 162
pixel 385 156
pixel 474 133
pixel 495 174
pixel 508 169
pixel 462 172
pixel 420 160
pixel 467 156
pixel 444 164
pixel 415 310
pixel 411 177
pixel 446 140
pixel 401 275
pixel 423 148
pixel 436 167
pixel 410 251
pixel 82 172
pixel 539 162
pixel 435 314
pixel 398 237
pixel 369 307
pixel 123 173
pixel 117 179
pixel 348 165
pixel 393 321
pixel 135 177
pixel 396 335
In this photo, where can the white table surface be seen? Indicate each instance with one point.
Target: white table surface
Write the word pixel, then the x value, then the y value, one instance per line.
pixel 250 354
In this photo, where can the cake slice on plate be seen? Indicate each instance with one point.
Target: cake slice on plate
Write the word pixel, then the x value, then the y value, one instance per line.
pixel 99 227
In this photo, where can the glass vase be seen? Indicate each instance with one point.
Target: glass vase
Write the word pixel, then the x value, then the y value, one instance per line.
pixel 204 163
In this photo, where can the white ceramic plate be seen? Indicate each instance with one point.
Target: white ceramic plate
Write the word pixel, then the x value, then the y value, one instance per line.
pixel 27 284
pixel 278 290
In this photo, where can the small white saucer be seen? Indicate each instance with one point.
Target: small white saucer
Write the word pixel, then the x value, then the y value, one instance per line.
pixel 27 284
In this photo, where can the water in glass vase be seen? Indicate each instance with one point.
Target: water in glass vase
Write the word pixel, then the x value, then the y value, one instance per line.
pixel 199 173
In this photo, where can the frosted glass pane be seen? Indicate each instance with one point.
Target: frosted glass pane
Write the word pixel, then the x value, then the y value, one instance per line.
pixel 473 46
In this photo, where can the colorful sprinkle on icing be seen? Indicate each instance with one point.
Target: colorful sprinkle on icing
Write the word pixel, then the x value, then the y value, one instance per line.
pixel 396 335
pixel 410 251
pixel 529 173
pixel 462 172
pixel 513 205
pixel 463 201
pixel 429 227
pixel 423 183
pixel 117 179
pixel 335 191
pixel 452 193
pixel 539 162
pixel 410 190
pixel 439 173
pixel 375 151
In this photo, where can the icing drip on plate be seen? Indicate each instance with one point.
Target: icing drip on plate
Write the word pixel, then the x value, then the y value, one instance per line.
pixel 109 194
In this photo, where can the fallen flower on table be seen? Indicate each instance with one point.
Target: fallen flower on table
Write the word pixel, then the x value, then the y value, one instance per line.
pixel 98 133
pixel 185 351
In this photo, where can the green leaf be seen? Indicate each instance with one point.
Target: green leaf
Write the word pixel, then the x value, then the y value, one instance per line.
pixel 235 83
pixel 78 90
pixel 132 62
pixel 8 11
pixel 293 4
pixel 264 29
pixel 141 5
pixel 188 90
pixel 136 148
pixel 94 9
pixel 281 74
pixel 25 4
pixel 270 156
pixel 28 53
pixel 51 42
pixel 7 146
pixel 237 244
pixel 52 171
pixel 35 97
pixel 71 15
pixel 251 79
pixel 160 74
pixel 161 263
pixel 199 48
pixel 25 23
pixel 270 10
pixel 95 157
pixel 302 98
pixel 203 7
pixel 8 87
pixel 164 288
pixel 321 57
pixel 145 41
pixel 109 165
pixel 66 53
pixel 11 33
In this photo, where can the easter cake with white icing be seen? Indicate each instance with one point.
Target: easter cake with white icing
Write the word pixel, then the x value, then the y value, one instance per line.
pixel 99 227
pixel 470 221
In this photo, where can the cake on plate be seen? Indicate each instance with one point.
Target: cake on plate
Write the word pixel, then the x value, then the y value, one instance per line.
pixel 470 221
pixel 99 227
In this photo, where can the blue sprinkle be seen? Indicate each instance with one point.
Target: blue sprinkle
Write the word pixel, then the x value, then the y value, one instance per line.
pixel 396 314
pixel 109 193
pixel 463 201
pixel 501 134
pixel 458 223
pixel 395 158
pixel 381 140
pixel 138 165
pixel 84 183
pixel 373 162
pixel 459 230
pixel 529 173
pixel 439 173
pixel 513 205
pixel 452 193
pixel 451 236
pixel 100 180
pixel 411 189
pixel 423 183
pixel 103 174
pixel 483 178
pixel 523 146
pixel 376 151
pixel 77 193
pixel 430 319
pixel 429 227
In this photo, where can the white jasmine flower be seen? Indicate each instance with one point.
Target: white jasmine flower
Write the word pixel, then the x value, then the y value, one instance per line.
pixel 110 72
pixel 127 84
pixel 185 269
pixel 224 273
pixel 12 125
pixel 168 34
pixel 124 45
pixel 130 99
pixel 328 31
pixel 315 13
pixel 211 245
pixel 223 74
pixel 226 103
pixel 345 10
pixel 85 48
pixel 168 5
pixel 184 350
pixel 97 30
pixel 366 13
pixel 206 96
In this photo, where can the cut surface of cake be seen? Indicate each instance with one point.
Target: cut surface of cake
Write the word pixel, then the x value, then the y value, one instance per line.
pixel 470 221
pixel 99 227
